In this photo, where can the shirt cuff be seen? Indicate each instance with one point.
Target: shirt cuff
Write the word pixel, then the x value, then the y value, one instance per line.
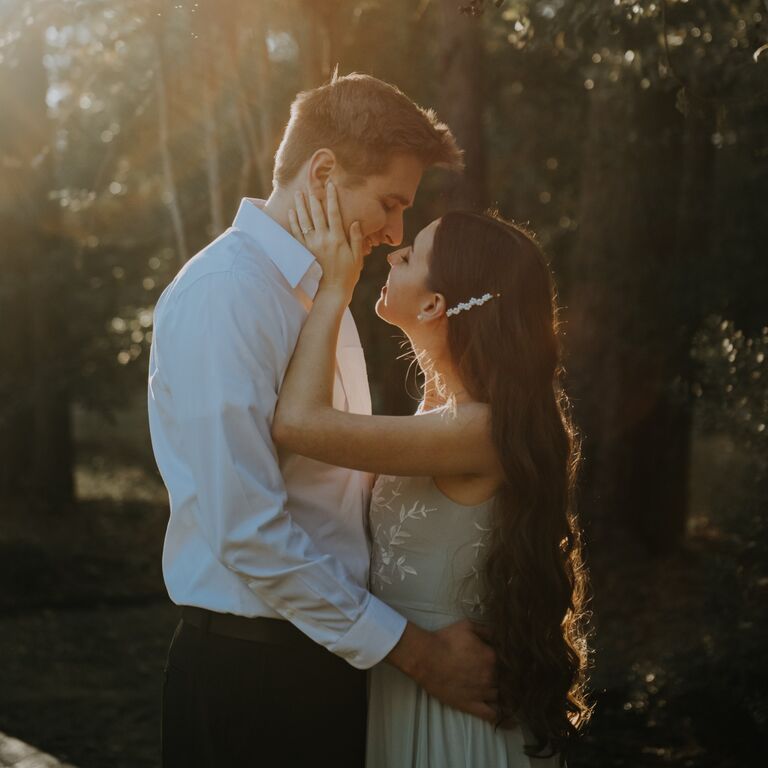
pixel 372 636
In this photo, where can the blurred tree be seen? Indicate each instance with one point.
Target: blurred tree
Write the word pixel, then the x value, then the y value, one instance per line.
pixel 130 143
pixel 320 33
pixel 624 362
pixel 631 136
pixel 257 137
pixel 170 192
pixel 634 275
pixel 207 29
pixel 36 452
pixel 462 100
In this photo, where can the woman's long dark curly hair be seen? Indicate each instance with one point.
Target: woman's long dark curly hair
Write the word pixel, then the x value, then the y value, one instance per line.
pixel 508 355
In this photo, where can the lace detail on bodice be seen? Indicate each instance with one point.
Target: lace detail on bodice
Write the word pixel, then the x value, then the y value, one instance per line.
pixel 390 557
pixel 428 551
pixel 474 604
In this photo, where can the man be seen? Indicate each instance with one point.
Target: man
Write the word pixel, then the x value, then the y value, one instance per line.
pixel 266 552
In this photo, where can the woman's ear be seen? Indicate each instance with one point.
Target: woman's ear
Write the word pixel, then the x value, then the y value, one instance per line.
pixel 321 165
pixel 433 308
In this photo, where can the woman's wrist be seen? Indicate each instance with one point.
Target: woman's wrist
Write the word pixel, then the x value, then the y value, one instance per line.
pixel 333 293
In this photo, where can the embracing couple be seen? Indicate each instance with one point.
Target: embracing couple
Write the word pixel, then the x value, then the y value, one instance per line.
pixel 358 590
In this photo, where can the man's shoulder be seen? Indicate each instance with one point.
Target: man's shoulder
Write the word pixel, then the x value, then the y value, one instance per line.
pixel 231 264
pixel 231 252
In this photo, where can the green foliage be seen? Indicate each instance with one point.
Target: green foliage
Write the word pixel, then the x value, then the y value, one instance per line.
pixel 732 382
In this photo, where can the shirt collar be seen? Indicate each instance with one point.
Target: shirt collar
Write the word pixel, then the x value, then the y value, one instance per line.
pixel 294 261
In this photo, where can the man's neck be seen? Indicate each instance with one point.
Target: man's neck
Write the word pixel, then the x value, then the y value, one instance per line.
pixel 277 207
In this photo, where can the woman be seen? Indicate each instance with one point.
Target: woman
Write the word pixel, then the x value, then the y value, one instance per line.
pixel 472 509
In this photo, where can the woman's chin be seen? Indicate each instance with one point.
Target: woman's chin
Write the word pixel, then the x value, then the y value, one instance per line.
pixel 382 311
pixel 381 308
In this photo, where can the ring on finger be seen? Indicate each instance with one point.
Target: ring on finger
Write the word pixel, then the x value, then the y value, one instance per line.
pixel 307 230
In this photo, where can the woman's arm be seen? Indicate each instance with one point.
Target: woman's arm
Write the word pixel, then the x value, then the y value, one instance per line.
pixel 450 442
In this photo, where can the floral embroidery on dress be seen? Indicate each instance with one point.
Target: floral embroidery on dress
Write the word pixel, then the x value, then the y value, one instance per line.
pixel 475 604
pixel 379 496
pixel 389 564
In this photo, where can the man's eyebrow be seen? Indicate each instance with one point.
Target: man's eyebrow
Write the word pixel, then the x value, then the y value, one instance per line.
pixel 404 201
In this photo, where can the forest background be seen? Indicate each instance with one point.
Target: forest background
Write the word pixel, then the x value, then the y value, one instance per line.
pixel 631 136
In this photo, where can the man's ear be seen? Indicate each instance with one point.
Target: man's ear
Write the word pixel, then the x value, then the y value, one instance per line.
pixel 321 165
pixel 433 308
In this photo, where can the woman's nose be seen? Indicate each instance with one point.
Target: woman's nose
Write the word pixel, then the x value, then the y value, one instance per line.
pixel 393 257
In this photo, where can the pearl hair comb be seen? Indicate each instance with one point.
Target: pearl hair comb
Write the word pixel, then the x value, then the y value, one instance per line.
pixel 476 302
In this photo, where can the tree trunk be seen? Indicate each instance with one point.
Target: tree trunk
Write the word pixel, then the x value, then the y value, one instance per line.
pixel 266 132
pixel 211 112
pixel 320 44
pixel 16 372
pixel 462 100
pixel 250 172
pixel 211 137
pixel 626 327
pixel 170 193
pixel 36 445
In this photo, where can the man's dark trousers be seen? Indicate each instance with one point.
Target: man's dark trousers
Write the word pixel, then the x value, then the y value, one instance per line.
pixel 278 702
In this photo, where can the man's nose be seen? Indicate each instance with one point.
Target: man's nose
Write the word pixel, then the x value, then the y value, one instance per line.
pixel 393 231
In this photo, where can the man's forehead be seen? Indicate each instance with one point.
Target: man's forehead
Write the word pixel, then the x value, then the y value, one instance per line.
pixel 401 179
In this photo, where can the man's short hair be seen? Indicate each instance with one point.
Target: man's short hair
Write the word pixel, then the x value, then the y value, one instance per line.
pixel 365 122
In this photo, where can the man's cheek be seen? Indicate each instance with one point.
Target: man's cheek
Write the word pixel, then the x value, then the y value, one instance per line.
pixel 376 223
pixel 344 207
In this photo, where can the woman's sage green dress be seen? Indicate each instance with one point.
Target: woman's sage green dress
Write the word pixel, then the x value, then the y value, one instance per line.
pixel 426 561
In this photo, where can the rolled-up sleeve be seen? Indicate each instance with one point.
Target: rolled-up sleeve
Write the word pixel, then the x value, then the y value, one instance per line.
pixel 222 349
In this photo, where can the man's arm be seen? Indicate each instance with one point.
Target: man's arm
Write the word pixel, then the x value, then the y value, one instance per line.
pixel 452 664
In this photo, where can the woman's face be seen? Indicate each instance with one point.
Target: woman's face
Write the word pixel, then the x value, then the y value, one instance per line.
pixel 406 292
